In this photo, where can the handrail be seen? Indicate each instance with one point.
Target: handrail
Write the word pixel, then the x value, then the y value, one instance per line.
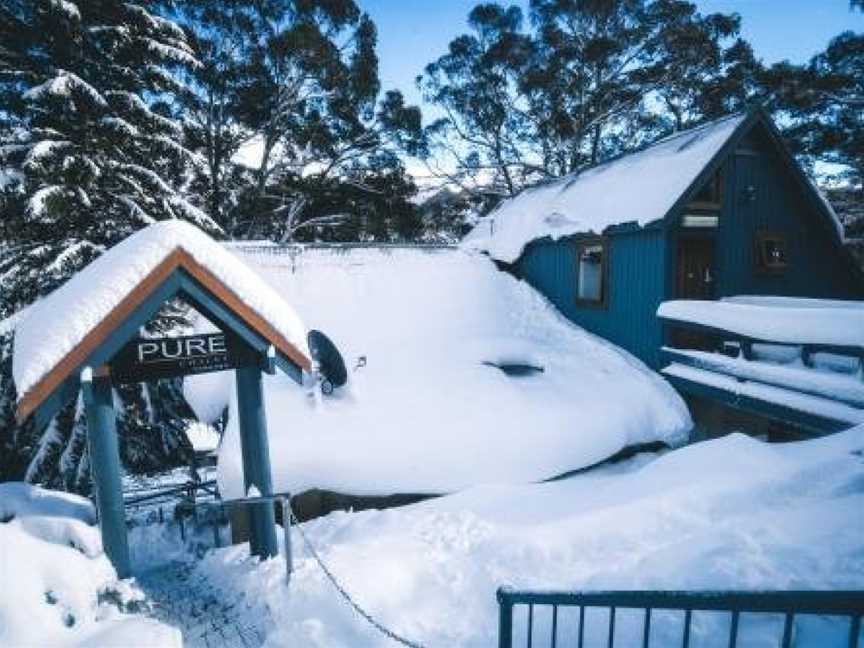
pixel 748 340
pixel 789 603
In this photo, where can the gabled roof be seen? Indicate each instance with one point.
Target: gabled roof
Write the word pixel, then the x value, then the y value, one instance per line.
pixel 642 187
pixel 88 319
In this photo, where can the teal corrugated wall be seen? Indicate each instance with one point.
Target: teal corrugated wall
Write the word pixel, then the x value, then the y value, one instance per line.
pixel 642 263
pixel 636 288
pixel 815 265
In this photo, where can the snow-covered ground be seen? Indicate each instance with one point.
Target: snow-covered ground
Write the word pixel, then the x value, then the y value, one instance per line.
pixel 429 411
pixel 731 513
pixel 57 588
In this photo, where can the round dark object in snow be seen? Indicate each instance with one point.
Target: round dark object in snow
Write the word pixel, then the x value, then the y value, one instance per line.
pixel 330 362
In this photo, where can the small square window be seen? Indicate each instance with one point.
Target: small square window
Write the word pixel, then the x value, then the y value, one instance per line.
pixel 591 272
pixel 772 253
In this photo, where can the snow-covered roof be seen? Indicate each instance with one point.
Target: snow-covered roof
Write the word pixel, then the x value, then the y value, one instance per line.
pixel 56 327
pixel 428 408
pixel 640 187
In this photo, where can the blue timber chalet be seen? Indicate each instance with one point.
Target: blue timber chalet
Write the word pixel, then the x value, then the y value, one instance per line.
pixel 722 209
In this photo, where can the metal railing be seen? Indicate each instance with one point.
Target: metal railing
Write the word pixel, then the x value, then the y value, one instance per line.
pixel 849 604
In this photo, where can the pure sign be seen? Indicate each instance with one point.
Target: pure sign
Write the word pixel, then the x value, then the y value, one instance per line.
pixel 142 360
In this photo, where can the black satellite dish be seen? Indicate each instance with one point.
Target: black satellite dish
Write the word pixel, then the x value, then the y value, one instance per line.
pixel 331 366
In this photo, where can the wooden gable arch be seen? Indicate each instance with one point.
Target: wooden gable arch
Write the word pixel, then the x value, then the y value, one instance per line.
pixel 179 274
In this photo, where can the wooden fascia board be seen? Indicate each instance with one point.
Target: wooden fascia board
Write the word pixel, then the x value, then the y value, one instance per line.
pixel 236 305
pixel 73 361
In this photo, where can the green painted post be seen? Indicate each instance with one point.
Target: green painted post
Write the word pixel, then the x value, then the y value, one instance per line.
pixel 505 619
pixel 256 460
pixel 105 467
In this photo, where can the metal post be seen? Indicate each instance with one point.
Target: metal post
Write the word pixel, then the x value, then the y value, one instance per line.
pixel 286 528
pixel 256 461
pixel 505 620
pixel 105 464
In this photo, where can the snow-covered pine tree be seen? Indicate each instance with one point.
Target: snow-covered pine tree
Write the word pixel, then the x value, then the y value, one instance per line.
pixel 90 152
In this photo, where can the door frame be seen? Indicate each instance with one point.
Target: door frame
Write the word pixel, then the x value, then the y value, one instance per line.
pixel 681 237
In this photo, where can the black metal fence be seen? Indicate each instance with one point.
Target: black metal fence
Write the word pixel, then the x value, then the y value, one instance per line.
pixel 844 604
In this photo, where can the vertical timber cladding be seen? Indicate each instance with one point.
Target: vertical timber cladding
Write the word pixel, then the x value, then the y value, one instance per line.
pixel 146 359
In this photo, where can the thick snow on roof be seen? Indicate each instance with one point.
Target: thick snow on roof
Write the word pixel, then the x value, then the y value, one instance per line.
pixel 429 411
pixel 640 187
pixel 776 319
pixel 56 324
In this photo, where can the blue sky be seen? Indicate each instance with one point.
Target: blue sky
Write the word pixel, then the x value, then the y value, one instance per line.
pixel 415 32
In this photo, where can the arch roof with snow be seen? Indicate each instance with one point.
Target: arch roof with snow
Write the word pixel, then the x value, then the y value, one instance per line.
pixel 642 187
pixel 98 310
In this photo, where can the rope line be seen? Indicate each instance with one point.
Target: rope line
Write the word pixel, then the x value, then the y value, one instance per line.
pixel 387 632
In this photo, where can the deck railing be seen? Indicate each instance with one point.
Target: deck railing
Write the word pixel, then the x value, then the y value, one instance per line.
pixel 744 343
pixel 694 351
pixel 848 604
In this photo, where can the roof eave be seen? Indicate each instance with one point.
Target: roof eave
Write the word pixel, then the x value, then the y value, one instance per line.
pixel 141 303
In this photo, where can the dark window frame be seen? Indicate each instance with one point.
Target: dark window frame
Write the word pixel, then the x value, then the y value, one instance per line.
pixel 763 264
pixel 715 203
pixel 581 244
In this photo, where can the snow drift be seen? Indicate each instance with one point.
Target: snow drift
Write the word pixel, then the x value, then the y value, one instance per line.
pixel 55 577
pixel 431 411
pixel 731 513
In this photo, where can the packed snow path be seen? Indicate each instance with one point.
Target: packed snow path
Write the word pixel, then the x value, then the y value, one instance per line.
pixel 182 596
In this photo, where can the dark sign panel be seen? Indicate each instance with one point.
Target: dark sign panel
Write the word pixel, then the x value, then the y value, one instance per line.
pixel 143 360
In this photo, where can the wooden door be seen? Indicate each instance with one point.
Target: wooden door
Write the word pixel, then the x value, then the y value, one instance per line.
pixel 696 276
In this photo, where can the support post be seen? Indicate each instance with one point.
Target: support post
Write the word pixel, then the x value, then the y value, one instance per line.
pixel 505 619
pixel 105 467
pixel 256 460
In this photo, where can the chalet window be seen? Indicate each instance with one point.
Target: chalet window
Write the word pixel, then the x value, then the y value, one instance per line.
pixel 703 211
pixel 710 196
pixel 591 272
pixel 772 254
pixel 700 221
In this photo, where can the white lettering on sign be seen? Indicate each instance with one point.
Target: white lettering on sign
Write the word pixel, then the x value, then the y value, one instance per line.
pixel 217 344
pixel 181 348
pixel 146 349
pixel 176 352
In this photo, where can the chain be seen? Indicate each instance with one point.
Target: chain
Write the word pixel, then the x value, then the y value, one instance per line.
pixel 359 610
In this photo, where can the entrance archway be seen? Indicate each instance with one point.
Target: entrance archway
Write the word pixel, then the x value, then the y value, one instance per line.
pixel 258 333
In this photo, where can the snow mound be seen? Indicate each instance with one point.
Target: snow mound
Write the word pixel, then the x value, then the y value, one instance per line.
pixel 23 500
pixel 430 411
pixel 731 513
pixel 641 187
pixel 776 319
pixel 42 339
pixel 55 577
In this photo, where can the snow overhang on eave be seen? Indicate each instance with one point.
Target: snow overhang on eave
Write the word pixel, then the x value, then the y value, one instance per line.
pixel 177 274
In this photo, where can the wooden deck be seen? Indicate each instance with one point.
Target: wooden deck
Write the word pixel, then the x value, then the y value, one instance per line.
pixel 814 389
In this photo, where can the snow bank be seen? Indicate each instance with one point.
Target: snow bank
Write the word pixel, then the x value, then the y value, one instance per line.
pixel 55 577
pixel 731 513
pixel 776 319
pixel 42 339
pixel 641 187
pixel 426 413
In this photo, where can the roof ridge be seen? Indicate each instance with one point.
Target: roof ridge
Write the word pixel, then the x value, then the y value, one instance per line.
pixel 573 175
